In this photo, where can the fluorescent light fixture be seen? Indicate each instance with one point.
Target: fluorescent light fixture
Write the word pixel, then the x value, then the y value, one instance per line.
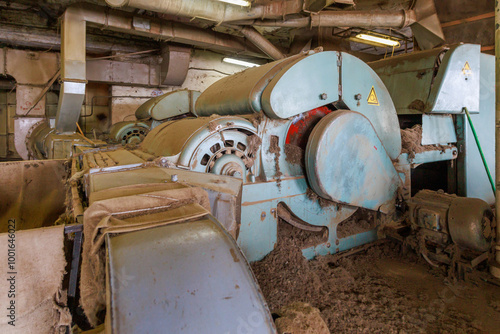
pixel 239 62
pixel 243 3
pixel 379 40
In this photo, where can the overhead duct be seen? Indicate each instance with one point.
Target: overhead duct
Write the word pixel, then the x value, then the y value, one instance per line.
pixel 215 11
pixel 427 30
pixel 73 67
pixel 362 19
pixel 72 70
pixel 175 64
pixel 259 41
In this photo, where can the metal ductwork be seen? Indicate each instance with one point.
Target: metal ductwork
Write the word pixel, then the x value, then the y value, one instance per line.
pixel 361 19
pixel 427 29
pixel 175 64
pixel 213 10
pixel 259 41
pixel 73 53
pixel 72 69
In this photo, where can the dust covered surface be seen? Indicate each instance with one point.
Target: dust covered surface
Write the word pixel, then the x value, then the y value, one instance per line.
pixel 377 291
pixel 294 154
pixel 275 149
pixel 300 318
pixel 314 197
pixel 362 220
pixel 411 141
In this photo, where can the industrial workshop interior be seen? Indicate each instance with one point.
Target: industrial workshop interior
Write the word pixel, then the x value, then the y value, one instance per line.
pixel 249 166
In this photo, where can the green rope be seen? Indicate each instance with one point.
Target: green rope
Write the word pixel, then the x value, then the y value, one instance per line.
pixel 481 151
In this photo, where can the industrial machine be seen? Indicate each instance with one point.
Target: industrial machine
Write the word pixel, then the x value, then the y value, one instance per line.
pixel 173 105
pixel 312 140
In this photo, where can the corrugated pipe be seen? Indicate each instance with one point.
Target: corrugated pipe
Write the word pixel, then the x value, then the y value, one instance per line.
pixel 215 11
pixel 259 41
pixel 360 19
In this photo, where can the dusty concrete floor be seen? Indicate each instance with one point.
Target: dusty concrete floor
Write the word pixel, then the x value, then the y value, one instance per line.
pixel 378 291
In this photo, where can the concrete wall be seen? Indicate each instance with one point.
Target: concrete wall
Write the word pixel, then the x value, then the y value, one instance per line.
pixel 205 68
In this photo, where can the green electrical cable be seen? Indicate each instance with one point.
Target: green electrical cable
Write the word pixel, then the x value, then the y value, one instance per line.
pixel 481 151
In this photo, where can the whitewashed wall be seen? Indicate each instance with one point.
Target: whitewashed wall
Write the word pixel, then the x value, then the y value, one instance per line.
pixel 206 67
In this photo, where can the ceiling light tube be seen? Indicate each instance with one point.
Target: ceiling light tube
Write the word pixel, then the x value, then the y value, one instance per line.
pixel 239 62
pixel 379 40
pixel 242 3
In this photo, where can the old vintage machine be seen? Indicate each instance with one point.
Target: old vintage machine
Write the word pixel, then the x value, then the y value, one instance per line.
pixel 312 140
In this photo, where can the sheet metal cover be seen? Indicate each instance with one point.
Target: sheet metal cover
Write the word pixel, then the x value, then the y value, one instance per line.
pixel 347 163
pixel 309 83
pixel 168 105
pixel 183 278
pixel 240 93
pixel 438 129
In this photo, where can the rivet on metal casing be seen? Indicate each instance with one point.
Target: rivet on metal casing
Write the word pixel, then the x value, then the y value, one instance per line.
pixel 323 96
pixel 357 97
pixel 174 178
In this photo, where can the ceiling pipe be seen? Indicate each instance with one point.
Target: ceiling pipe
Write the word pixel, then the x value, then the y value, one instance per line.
pixel 361 19
pixel 214 11
pixel 259 41
pixel 73 50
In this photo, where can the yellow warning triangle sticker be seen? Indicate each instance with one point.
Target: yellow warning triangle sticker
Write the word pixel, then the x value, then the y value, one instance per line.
pixel 466 70
pixel 372 97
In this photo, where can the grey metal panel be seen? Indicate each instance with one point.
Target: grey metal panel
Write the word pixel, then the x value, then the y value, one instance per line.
pixel 477 184
pixel 187 277
pixel 457 87
pixel 438 129
pixel 415 88
pixel 357 78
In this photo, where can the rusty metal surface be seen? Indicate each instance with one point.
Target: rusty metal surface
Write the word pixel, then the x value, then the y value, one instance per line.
pixel 33 193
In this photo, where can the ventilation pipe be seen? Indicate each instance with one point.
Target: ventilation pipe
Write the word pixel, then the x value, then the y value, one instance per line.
pixel 72 70
pixel 221 12
pixel 259 41
pixel 427 30
pixel 422 17
pixel 73 67
pixel 360 19
pixel 215 11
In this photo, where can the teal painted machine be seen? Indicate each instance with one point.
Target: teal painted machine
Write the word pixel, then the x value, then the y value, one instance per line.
pixel 316 136
pixel 248 124
pixel 313 140
pixel 431 89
